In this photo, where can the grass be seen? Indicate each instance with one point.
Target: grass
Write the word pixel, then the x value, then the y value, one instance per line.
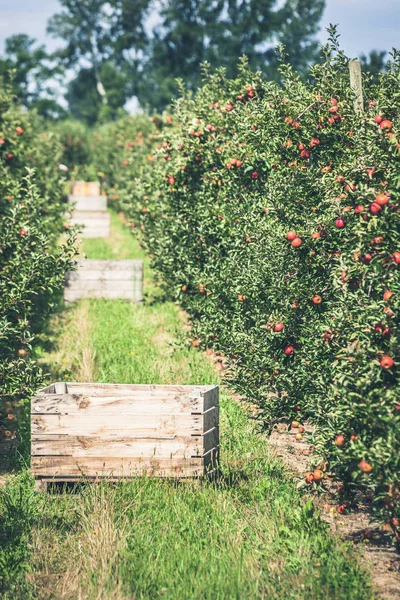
pixel 250 534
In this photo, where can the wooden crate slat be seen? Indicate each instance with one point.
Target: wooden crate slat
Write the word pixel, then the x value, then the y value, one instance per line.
pixel 51 466
pixel 78 446
pixel 139 403
pixel 84 424
pixel 94 223
pixel 73 296
pixel 88 203
pixel 104 389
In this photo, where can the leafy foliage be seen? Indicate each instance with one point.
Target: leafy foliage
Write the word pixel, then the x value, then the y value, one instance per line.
pixel 32 267
pixel 310 325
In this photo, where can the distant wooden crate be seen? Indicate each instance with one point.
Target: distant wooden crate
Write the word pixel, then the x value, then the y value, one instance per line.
pixel 88 203
pixel 110 279
pixel 94 430
pixel 86 188
pixel 95 223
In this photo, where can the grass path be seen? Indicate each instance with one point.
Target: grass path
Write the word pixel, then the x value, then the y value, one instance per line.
pixel 250 535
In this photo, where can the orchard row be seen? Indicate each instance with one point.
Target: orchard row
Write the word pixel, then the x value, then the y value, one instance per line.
pixel 32 267
pixel 272 214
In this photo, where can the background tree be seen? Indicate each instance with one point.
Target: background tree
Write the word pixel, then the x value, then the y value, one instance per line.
pixel 104 42
pixel 33 74
pixel 374 63
pixel 219 31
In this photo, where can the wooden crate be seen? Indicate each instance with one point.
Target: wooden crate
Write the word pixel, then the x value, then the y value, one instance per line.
pixel 109 279
pixel 88 203
pixel 94 430
pixel 95 223
pixel 86 188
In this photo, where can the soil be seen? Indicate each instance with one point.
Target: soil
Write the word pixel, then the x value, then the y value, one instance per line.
pixel 376 546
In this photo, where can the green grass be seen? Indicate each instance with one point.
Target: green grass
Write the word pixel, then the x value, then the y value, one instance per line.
pixel 248 535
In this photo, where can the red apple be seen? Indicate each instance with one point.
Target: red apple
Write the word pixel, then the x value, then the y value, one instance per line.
pixel 386 124
pixel 288 350
pixel 375 208
pixel 387 362
pixel 382 199
pixel 340 223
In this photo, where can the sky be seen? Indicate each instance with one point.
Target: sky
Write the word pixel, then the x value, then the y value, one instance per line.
pixel 364 25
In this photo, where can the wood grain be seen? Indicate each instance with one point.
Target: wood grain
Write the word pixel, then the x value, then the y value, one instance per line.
pixel 134 403
pixel 51 466
pixel 114 424
pixel 167 447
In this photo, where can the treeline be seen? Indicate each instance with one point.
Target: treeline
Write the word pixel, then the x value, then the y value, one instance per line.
pixel 114 50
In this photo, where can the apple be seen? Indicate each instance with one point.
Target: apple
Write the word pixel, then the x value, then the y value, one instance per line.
pixel 318 475
pixel 289 350
pixel 339 440
pixel 365 466
pixel 396 257
pixel 359 209
pixel 340 223
pixel 366 258
pixel 387 362
pixel 19 130
pixel 291 235
pixel 22 232
pixel 314 142
pixel 309 477
pixel 279 327
pixel 316 299
pixel 296 242
pixel 228 106
pixel 388 294
pixel 254 175
pixel 378 119
pixel 375 208
pixel 386 124
pixel 382 199
pixel 171 180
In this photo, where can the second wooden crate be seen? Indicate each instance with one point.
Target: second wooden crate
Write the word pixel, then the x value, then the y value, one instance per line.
pixel 92 430
pixel 95 223
pixel 110 279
